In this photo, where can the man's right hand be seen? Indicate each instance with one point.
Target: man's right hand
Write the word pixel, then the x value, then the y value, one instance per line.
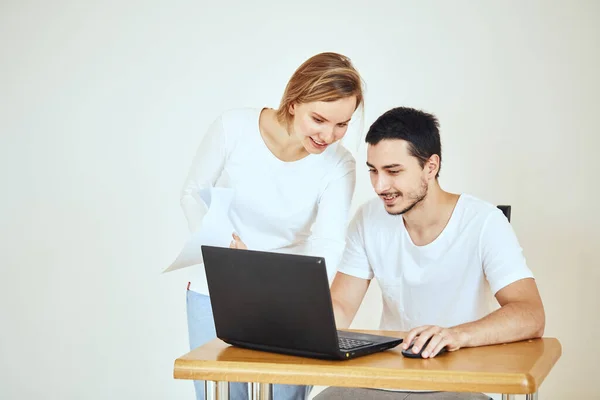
pixel 450 338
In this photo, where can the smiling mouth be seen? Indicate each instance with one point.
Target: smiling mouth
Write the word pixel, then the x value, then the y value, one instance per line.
pixel 390 196
pixel 318 144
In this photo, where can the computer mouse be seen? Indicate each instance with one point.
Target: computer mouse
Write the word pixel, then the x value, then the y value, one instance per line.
pixel 409 353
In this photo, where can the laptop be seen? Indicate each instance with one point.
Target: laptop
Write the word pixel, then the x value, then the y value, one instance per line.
pixel 280 303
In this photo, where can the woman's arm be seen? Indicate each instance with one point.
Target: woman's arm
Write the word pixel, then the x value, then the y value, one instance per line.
pixel 204 172
pixel 328 237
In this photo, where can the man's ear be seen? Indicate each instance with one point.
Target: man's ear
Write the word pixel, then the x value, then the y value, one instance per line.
pixel 433 165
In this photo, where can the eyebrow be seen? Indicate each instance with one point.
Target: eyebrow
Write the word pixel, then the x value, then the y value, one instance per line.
pixel 326 120
pixel 386 166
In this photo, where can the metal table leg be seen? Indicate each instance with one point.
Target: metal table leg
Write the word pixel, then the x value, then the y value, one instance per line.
pixel 261 391
pixel 216 390
pixel 532 396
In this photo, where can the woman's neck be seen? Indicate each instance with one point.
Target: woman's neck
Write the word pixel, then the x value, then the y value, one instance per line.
pixel 284 145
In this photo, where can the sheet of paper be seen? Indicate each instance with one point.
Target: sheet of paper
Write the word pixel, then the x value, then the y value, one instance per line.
pixel 216 228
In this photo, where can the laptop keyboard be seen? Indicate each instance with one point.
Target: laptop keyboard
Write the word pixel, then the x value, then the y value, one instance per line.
pixel 348 344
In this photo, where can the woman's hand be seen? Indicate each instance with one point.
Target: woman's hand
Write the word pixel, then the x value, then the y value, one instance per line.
pixel 237 243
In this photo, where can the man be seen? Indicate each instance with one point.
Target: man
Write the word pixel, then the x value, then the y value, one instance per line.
pixel 437 256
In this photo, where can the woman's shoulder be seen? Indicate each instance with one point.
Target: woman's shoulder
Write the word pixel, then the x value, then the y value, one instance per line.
pixel 246 117
pixel 334 164
pixel 339 156
pixel 237 124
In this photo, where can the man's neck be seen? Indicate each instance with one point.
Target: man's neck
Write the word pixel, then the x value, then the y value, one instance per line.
pixel 428 219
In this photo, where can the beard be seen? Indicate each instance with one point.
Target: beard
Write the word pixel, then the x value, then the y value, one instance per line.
pixel 415 199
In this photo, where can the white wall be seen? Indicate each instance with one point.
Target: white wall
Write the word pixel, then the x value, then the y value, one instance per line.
pixel 102 106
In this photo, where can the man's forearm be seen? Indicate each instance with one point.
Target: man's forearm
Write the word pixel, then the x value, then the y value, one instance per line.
pixel 347 292
pixel 342 319
pixel 513 322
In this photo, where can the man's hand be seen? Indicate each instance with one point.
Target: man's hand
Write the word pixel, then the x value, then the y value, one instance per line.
pixel 450 338
pixel 237 243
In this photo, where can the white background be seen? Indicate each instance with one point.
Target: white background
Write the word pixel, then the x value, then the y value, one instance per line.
pixel 102 105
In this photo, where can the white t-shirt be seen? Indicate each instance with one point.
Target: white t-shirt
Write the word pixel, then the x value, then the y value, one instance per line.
pixel 447 282
pixel 297 207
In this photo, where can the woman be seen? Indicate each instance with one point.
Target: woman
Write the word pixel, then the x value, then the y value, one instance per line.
pixel 292 181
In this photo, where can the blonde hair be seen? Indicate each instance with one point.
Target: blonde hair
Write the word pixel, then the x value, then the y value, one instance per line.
pixel 323 77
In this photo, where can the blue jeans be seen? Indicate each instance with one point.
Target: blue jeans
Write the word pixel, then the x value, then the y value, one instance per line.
pixel 201 329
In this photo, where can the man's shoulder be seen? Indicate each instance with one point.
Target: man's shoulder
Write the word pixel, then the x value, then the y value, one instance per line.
pixel 475 212
pixel 477 206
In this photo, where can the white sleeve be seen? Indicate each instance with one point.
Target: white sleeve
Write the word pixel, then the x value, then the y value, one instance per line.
pixel 328 232
pixel 205 170
pixel 501 253
pixel 355 261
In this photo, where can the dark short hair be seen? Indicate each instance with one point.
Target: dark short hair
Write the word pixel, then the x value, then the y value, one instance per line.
pixel 418 128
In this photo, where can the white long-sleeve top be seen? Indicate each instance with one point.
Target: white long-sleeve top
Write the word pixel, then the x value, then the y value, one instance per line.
pixel 297 207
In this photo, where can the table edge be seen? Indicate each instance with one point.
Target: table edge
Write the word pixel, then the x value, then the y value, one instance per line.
pixel 362 376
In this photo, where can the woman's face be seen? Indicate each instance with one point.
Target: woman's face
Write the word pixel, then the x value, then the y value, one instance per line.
pixel 319 124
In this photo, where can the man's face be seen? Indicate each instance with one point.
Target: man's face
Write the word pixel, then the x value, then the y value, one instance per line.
pixel 396 175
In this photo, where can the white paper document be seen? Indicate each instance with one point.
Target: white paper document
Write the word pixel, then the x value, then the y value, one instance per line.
pixel 215 230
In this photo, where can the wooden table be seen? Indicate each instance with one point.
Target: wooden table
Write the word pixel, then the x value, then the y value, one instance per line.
pixel 515 368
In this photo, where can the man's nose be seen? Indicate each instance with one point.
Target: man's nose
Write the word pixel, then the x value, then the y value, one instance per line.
pixel 381 183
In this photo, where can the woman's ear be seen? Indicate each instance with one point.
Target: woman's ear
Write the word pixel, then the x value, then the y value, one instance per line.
pixel 292 108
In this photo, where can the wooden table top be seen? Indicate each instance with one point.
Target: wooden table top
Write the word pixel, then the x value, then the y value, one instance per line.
pixel 517 368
